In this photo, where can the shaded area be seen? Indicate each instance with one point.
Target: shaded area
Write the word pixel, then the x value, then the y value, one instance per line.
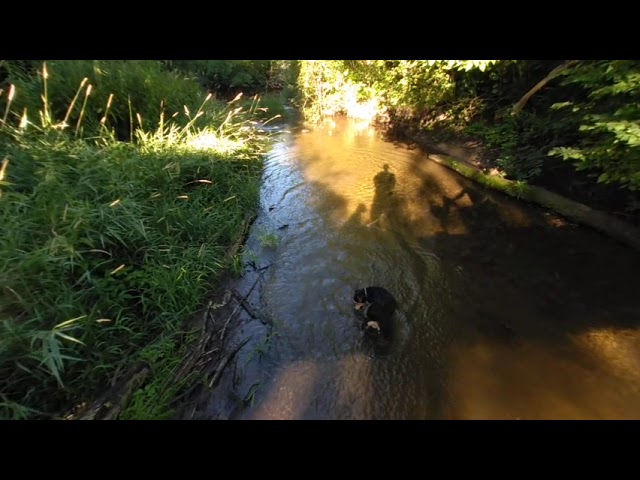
pixel 505 311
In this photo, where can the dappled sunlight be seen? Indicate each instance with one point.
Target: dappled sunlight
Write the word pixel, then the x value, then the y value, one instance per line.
pixel 347 382
pixel 436 199
pixel 328 124
pixel 418 196
pixel 554 220
pixel 617 350
pixel 358 109
pixel 360 129
pixel 380 176
pixel 289 392
pixel 363 110
pixel 361 392
pixel 535 380
pixel 462 199
pixel 448 213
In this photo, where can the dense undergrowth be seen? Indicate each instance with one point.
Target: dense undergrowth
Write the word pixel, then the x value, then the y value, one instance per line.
pixel 107 247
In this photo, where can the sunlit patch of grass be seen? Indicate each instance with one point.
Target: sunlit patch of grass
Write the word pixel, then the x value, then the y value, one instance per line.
pixel 211 141
pixel 106 248
pixel 121 90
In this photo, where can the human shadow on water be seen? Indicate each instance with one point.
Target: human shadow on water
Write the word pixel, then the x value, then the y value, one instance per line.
pixel 384 183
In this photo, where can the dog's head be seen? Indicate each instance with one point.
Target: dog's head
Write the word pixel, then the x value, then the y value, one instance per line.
pixel 360 298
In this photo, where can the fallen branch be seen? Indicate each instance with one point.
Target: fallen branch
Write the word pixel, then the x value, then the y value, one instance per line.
pixel 245 305
pixel 206 335
pixel 110 404
pixel 225 360
pixel 240 303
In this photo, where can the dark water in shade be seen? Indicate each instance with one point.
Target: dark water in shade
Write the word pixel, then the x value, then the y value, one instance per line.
pixel 505 311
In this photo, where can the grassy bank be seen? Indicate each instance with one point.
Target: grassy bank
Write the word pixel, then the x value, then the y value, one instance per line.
pixel 107 248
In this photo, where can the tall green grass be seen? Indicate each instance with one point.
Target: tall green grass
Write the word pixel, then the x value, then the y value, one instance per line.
pixel 106 247
pixel 127 94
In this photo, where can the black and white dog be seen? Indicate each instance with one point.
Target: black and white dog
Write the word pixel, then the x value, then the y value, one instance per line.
pixel 379 306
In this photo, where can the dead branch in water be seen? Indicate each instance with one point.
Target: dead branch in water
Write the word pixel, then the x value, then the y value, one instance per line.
pixel 198 360
pixel 111 403
pixel 218 368
pixel 244 304
pixel 242 300
pixel 224 361
pixel 206 335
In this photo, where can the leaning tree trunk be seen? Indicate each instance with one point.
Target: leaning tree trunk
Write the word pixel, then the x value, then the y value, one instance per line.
pixel 574 211
pixel 517 108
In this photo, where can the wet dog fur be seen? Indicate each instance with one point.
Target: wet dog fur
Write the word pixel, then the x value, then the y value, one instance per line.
pixel 379 306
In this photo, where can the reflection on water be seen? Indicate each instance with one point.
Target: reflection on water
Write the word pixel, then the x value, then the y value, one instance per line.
pixel 504 310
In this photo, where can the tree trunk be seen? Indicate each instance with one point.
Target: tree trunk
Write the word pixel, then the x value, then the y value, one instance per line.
pixel 574 211
pixel 517 108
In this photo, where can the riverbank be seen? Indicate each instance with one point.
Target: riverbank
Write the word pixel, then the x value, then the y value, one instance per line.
pixel 589 203
pixel 109 249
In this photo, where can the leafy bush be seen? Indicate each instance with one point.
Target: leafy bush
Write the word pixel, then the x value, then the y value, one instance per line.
pixel 229 76
pixel 610 128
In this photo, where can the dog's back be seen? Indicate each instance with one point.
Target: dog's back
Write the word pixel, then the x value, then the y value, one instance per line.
pixel 379 309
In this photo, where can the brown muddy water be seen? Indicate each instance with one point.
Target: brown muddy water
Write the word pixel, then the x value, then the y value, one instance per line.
pixel 505 310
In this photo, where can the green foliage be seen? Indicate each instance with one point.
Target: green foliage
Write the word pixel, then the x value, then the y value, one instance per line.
pixel 591 118
pixel 153 401
pixel 321 85
pixel 284 77
pixel 465 65
pixel 521 143
pixel 229 76
pixel 106 247
pixel 141 90
pixel 413 85
pixel 610 114
pixel 418 84
pixel 268 107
